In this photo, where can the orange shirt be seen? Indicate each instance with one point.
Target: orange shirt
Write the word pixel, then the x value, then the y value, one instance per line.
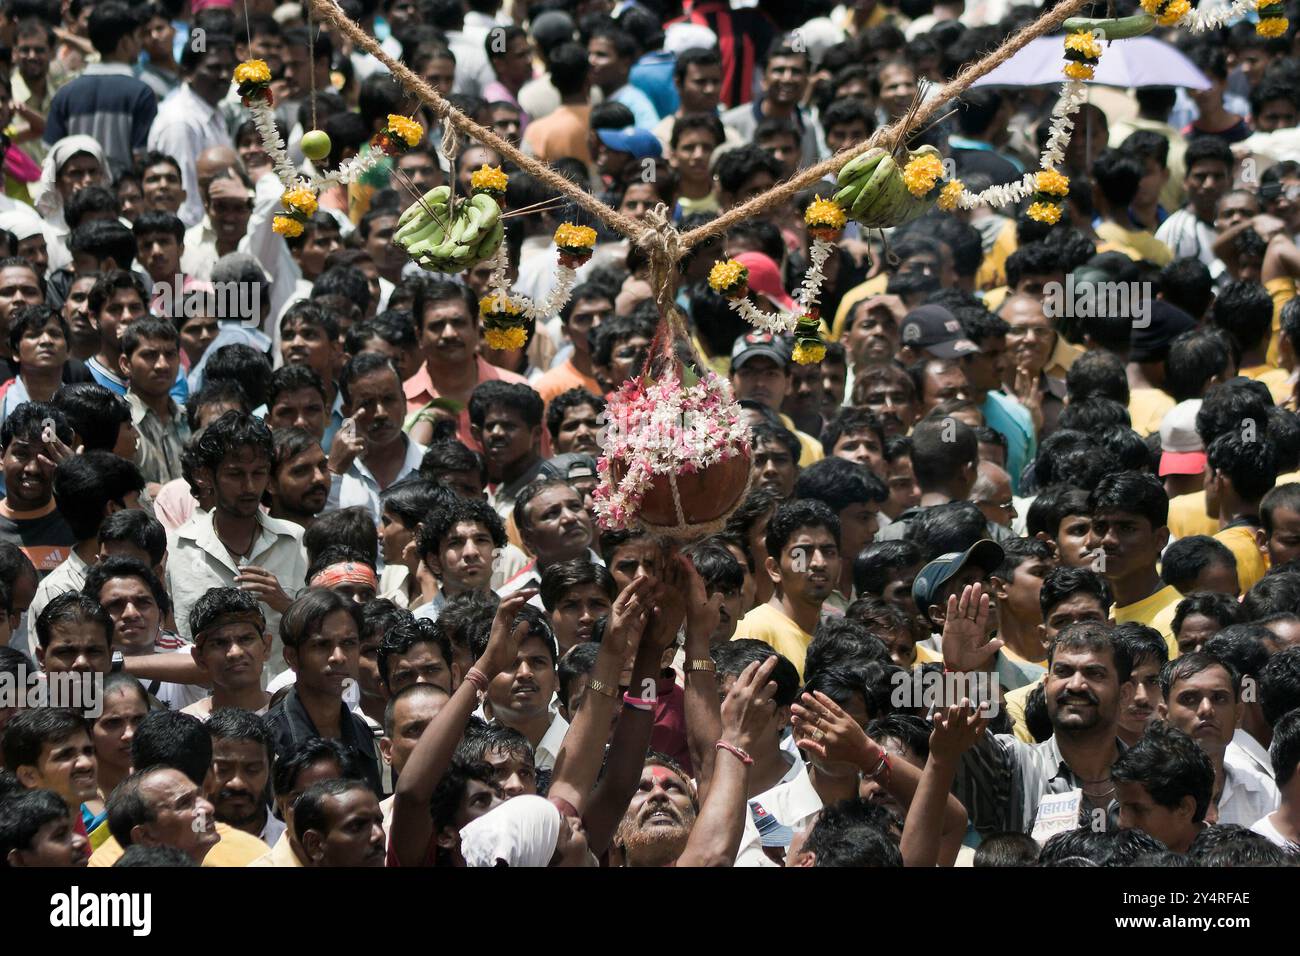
pixel 562 378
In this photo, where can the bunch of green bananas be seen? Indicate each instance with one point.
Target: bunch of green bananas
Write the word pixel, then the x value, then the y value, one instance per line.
pixel 873 191
pixel 446 239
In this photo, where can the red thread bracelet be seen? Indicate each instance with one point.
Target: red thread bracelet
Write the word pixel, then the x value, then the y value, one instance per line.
pixel 640 703
pixel 477 678
pixel 736 752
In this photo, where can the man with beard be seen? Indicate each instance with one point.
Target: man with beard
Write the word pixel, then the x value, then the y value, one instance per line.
pixel 573 420
pixel 299 485
pixel 1202 698
pixel 241 773
pixel 375 451
pixel 1002 780
pixel 889 392
pixel 803 563
pixel 506 421
pixel 658 821
pixel 339 823
pixel 871 334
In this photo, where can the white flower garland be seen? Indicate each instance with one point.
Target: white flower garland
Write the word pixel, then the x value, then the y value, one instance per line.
pixel 1072 97
pixel 1198 21
pixel 805 297
pixel 498 285
pixel 264 120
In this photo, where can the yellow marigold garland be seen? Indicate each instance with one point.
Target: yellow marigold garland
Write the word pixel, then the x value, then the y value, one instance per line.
pixel 1049 213
pixel 1272 20
pixel 502 323
pixel 1082 53
pixel 825 219
pixel 287 226
pixel 300 200
pixel 729 278
pixel 808 345
pixel 1167 12
pixel 950 195
pixel 398 136
pixel 922 173
pixel 253 79
pixel 490 180
pixel 576 244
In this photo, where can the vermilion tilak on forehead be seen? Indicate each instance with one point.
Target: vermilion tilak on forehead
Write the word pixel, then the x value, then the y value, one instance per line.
pixel 663 775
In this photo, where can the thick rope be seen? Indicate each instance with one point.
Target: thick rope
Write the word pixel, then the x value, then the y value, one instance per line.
pixel 948 92
pixel 649 238
pixel 330 11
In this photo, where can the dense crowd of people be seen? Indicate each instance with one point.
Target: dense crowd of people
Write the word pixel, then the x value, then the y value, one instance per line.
pixel 1016 580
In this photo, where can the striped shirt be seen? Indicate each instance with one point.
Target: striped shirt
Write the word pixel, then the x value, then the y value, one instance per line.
pixel 108 104
pixel 1002 780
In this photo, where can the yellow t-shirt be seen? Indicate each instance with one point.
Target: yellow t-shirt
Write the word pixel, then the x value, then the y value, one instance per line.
pixel 765 623
pixel 1252 564
pixel 1275 378
pixel 1014 702
pixel 1146 407
pixel 1283 291
pixel 926 656
pixel 236 848
pixel 810 449
pixel 1155 611
pixel 1146 244
pixel 1187 516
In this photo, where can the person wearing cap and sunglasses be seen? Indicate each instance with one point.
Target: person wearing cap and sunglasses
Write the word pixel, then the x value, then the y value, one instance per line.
pixel 760 372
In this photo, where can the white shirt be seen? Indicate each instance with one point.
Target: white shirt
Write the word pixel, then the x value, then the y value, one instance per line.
pixel 358 486
pixel 271 831
pixel 184 127
pixel 68 576
pixel 197 561
pixel 269 249
pixel 549 747
pixel 1254 752
pixel 1265 828
pixel 200 253
pixel 1247 793
pixel 793 802
pixel 1189 238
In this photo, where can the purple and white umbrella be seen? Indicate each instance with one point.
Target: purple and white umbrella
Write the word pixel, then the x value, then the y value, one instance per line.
pixel 1138 61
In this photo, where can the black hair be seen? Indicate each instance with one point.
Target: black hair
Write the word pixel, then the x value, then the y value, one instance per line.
pixel 292 762
pixel 1171 766
pixel 839 483
pixel 1284 751
pixel 100 238
pixel 243 365
pixel 309 610
pixel 851 418
pixel 31 728
pixel 86 484
pixel 951 527
pixel 333 554
pixel 1228 406
pixel 95 413
pixel 168 738
pixel 734 167
pixel 791 516
pixel 1191 664
pixel 354 526
pixel 235 723
pixel 1251 466
pixel 940 448
pixel 539 627
pixel 394 327
pixel 732 657
pixel 33 318
pixel 1185 559
pixel 437 523
pixel 854 833
pixel 1275 592
pixel 515 396
pixel 1092 636
pixel 1117 175
pixel 399 639
pixel 1285 496
pixel 1132 492
pixel 23 815
pixel 1245 311
pixel 451 455
pixel 412 498
pixel 873 566
pixel 559 578
pixel 1279 685
pixel 1186 283
pixel 217 603
pixel 1007 849
pixel 71 607
pixel 1195 357
pixel 1097 373
pixel 1017 551
pixel 27 422
pixel 1063 582
pixel 121 566
pixel 560 405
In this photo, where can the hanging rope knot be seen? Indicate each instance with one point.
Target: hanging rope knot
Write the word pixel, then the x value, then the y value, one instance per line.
pixel 661 239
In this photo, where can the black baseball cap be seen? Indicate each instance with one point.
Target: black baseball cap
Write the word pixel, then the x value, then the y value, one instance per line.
pixel 987 554
pixel 937 331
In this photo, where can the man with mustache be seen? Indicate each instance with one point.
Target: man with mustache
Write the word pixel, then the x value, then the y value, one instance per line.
pixel 555 526
pixel 573 419
pixel 299 486
pixel 1202 698
pixel 1002 780
pixel 1031 340
pixel 339 823
pixel 659 818
pixel 240 779
pixel 506 421
pixel 520 696
pixel 890 392
pixel 374 453
pixel 1130 514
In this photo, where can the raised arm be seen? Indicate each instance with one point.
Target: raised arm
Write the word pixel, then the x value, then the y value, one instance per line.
pixel 632 734
pixel 833 736
pixel 412 826
pixel 925 840
pixel 700 699
pixel 720 825
pixel 578 763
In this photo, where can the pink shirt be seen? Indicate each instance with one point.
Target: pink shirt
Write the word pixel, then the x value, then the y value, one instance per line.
pixel 420 391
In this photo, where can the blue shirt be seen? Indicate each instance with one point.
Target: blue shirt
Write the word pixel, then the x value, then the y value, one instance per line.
pixel 653 76
pixel 643 110
pixel 117 385
pixel 1013 421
